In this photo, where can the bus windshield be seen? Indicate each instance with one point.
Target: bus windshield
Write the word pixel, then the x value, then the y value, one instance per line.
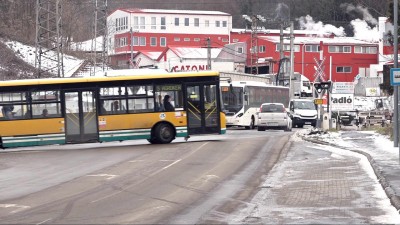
pixel 232 99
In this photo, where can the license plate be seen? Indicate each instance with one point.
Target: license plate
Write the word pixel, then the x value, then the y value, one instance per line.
pixel 273 124
pixel 307 122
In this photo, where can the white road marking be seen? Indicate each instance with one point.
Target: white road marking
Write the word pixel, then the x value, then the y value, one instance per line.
pixel 19 207
pixel 134 161
pixel 44 221
pixel 109 176
pixel 154 173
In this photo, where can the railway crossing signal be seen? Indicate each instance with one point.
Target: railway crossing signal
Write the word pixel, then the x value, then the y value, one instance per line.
pixel 319 87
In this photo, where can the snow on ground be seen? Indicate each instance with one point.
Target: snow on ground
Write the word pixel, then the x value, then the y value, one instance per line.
pixel 28 54
pixel 284 174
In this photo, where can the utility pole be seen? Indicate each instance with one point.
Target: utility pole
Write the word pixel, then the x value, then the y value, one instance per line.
pixel 208 53
pixel 291 60
pixel 395 65
pixel 131 59
pixel 49 52
pixel 100 36
pixel 281 43
pixel 254 40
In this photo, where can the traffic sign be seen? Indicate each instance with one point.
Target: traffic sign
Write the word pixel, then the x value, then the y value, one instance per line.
pixel 395 76
pixel 318 101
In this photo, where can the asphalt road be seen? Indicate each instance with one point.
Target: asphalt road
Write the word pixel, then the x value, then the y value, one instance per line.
pixel 135 182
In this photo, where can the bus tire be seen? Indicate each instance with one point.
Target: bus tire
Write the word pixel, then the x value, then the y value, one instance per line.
pixel 251 126
pixel 152 141
pixel 164 133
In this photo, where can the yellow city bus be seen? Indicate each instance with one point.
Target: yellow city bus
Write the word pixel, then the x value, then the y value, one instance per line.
pixel 110 108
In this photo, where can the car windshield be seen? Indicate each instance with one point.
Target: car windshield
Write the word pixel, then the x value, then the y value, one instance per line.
pixel 304 105
pixel 272 108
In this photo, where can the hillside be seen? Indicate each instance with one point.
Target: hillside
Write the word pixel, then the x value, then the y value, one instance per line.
pixel 13 67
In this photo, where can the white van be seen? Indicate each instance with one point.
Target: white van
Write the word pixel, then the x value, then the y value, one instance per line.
pixel 303 111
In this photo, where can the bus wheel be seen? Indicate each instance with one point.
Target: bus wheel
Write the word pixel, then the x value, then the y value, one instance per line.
pixel 252 124
pixel 152 141
pixel 164 133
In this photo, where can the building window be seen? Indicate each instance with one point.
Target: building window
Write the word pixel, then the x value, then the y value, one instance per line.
pixel 286 48
pixel 339 49
pixel 163 41
pixel 343 69
pixel 196 22
pixel 186 22
pixel 139 41
pixel 123 42
pixel 142 22
pixel 207 23
pixel 186 39
pixel 153 41
pixel 196 39
pixel 312 48
pixel 261 48
pixel 142 41
pixel 177 39
pixel 177 22
pixel 365 49
pixel 136 23
pixel 163 22
pixel 239 50
pixel 153 23
pixel 224 23
pixel 217 23
pixel 121 23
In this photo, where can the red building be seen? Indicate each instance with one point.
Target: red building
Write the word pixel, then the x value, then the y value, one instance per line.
pixel 133 31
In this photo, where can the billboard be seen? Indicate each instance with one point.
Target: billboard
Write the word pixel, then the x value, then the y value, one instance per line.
pixel 341 102
pixel 373 92
pixel 343 88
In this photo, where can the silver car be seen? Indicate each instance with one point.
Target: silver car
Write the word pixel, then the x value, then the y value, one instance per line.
pixel 274 116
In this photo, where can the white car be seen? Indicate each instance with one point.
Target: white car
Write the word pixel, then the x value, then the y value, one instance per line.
pixel 274 116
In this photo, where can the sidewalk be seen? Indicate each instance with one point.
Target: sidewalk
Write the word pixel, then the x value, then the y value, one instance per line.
pixel 328 180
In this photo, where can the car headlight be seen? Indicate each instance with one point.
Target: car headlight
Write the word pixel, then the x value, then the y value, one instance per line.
pixel 296 114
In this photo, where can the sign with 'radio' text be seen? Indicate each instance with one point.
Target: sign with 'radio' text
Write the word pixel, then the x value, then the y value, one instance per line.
pixel 342 102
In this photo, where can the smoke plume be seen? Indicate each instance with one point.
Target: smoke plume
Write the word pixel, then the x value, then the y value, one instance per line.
pixel 308 23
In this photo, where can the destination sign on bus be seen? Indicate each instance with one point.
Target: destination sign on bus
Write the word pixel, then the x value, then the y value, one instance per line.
pixel 225 88
pixel 169 88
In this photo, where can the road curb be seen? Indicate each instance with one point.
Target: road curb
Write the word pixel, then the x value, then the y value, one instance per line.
pixel 394 199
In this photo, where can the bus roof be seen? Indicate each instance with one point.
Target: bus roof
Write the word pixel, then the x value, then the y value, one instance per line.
pixel 125 75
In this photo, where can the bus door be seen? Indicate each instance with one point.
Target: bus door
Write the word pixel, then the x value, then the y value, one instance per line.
pixel 202 109
pixel 80 117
